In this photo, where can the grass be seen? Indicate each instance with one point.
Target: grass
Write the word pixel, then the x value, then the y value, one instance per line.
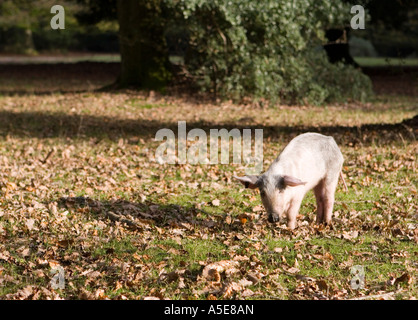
pixel 75 58
pixel 386 62
pixel 80 188
pixel 63 58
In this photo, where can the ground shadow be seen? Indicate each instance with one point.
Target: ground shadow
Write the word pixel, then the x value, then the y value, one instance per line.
pixel 50 125
pixel 48 78
pixel 136 215
pixel 28 78
pixel 393 79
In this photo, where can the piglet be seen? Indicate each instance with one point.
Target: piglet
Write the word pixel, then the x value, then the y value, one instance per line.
pixel 309 161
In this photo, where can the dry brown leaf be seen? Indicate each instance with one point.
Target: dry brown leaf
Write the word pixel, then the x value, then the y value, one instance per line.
pixel 227 290
pixel 291 270
pixel 253 278
pixel 258 208
pixel 247 293
pixel 214 275
pixel 211 288
pixel 25 252
pixel 26 293
pixel 30 223
pixel 404 278
pixel 328 256
pixel 322 285
pixel 241 258
pixel 100 295
pixel 348 235
pixel 65 243
pixel 170 277
pixel 219 266
pixel 305 278
pixel 245 283
pixel 151 298
pixel 228 219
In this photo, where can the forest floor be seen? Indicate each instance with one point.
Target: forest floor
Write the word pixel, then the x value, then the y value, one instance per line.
pixel 88 212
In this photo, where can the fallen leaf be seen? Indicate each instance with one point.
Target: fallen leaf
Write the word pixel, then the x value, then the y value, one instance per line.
pixel 25 252
pixel 258 208
pixel 348 235
pixel 227 290
pixel 292 270
pixel 322 285
pixel 241 258
pixel 245 283
pixel 26 292
pixel 219 267
pixel 247 293
pixel 29 224
pixel 243 218
pixel 228 219
pixel 305 278
pixel 253 278
pixel 328 256
pixel 65 243
pixel 404 278
pixel 151 298
pixel 170 277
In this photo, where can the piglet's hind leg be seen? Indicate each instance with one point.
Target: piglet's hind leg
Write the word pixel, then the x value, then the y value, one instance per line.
pixel 329 194
pixel 319 195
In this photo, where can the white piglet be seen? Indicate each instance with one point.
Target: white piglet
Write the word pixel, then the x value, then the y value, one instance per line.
pixel 309 161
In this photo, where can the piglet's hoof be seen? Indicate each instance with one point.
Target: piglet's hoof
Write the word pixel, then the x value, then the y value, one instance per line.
pixel 273 219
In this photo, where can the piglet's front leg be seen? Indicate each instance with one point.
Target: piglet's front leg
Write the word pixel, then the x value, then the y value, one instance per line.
pixel 293 212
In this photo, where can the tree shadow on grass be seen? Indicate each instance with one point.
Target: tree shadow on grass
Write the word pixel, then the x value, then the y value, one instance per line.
pixel 140 216
pixel 51 125
pixel 48 78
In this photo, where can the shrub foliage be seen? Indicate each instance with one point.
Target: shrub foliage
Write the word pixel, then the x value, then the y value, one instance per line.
pixel 267 49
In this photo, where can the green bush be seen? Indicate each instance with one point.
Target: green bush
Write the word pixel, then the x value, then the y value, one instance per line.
pixel 264 49
pixel 335 82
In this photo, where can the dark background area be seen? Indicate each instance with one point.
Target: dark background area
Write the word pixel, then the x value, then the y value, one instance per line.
pixel 386 51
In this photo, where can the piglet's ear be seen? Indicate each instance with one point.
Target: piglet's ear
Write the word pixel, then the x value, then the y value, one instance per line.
pixel 292 181
pixel 248 181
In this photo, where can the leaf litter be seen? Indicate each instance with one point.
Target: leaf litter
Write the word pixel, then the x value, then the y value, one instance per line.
pixel 87 196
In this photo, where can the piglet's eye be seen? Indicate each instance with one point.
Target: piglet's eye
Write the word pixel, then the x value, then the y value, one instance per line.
pixel 262 193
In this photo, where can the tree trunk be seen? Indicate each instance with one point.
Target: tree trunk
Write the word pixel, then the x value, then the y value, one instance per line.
pixel 144 54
